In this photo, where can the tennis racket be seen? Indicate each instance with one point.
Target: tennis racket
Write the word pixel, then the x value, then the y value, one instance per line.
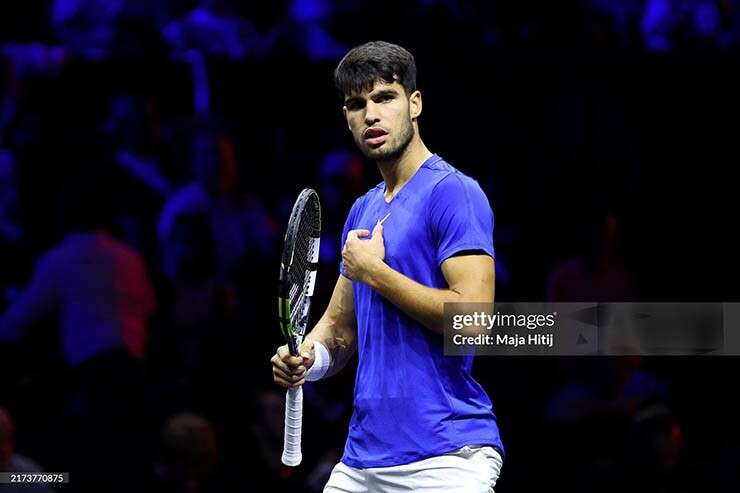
pixel 297 281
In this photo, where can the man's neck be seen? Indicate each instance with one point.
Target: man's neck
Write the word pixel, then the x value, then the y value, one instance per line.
pixel 398 172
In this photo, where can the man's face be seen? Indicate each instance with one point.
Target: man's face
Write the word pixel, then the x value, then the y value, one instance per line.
pixel 381 120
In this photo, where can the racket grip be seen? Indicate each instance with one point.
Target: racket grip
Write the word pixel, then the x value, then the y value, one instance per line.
pixel 293 425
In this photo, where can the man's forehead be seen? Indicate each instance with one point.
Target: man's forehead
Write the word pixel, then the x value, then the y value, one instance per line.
pixel 378 86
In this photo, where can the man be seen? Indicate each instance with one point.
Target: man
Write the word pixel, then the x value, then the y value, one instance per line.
pixel 98 289
pixel 420 239
pixel 96 285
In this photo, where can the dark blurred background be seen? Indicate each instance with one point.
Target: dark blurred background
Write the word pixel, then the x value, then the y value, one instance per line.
pixel 150 151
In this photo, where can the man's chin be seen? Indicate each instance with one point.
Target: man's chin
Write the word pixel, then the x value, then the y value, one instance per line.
pixel 379 153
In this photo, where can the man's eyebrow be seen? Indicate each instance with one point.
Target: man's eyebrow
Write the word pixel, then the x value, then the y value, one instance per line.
pixel 385 92
pixel 380 93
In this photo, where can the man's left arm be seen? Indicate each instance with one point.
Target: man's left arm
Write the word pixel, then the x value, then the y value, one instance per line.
pixel 470 279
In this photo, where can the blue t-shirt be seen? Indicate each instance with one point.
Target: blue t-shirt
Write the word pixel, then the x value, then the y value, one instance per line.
pixel 411 401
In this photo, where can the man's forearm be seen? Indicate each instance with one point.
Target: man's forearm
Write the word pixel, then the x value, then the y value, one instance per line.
pixel 422 303
pixel 339 343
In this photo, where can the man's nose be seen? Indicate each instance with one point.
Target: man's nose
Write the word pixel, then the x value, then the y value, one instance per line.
pixel 371 114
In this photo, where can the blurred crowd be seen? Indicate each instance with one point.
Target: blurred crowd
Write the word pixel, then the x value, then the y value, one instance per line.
pixel 50 31
pixel 150 152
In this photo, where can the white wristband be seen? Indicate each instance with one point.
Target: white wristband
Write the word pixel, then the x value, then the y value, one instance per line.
pixel 321 362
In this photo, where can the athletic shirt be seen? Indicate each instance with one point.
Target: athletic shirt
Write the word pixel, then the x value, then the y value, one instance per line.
pixel 411 401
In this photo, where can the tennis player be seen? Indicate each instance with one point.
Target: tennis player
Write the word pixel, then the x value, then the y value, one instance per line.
pixel 421 238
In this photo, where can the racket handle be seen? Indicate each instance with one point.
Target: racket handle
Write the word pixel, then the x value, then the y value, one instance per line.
pixel 293 425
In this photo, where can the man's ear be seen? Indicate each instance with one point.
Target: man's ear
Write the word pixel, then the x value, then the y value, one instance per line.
pixel 344 113
pixel 415 104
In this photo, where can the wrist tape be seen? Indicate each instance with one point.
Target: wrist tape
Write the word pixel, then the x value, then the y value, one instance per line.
pixel 321 363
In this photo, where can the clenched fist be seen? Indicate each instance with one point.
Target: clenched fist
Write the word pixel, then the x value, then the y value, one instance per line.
pixel 290 371
pixel 360 255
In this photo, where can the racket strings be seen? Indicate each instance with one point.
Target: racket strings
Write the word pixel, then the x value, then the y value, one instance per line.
pixel 301 267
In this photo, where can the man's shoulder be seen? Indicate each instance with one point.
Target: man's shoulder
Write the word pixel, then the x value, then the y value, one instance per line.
pixel 446 178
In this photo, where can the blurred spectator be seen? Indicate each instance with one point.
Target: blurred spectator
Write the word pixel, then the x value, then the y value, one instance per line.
pixel 213 28
pixel 613 389
pixel 212 237
pixel 622 17
pixel 99 289
pixel 265 442
pixel 240 226
pixel 597 273
pixel 683 24
pixel 31 59
pixel 189 456
pixel 87 27
pixel 134 128
pixel 592 411
pixel 655 457
pixel 101 29
pixel 10 461
pixel 98 286
pixel 656 443
pixel 304 28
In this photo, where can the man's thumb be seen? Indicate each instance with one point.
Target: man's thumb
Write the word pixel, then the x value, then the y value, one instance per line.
pixel 378 230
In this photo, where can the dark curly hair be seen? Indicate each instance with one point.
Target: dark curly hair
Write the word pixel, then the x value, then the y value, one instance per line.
pixel 363 65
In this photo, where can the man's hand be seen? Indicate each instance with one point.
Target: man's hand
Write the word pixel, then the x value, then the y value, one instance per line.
pixel 290 371
pixel 361 256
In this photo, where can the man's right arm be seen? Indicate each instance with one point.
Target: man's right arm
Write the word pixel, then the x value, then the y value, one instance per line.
pixel 336 330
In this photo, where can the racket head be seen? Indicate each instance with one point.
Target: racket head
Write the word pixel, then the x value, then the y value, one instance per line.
pixel 298 266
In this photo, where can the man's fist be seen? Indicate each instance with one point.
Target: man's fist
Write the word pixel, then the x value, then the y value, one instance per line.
pixel 361 255
pixel 290 371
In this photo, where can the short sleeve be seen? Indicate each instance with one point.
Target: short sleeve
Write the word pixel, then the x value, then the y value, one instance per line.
pixel 460 217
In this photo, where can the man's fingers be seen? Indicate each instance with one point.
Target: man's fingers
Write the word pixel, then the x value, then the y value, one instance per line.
pixel 283 382
pixel 287 370
pixel 289 364
pixel 279 373
pixel 288 358
pixel 358 233
pixel 294 362
pixel 283 351
pixel 280 377
pixel 278 363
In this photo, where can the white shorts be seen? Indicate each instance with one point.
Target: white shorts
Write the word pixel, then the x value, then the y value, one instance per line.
pixel 471 469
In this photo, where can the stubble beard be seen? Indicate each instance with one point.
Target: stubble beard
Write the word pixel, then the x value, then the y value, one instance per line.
pixel 387 153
